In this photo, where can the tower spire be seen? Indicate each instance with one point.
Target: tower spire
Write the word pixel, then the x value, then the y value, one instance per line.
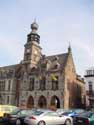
pixel 32 51
pixel 69 48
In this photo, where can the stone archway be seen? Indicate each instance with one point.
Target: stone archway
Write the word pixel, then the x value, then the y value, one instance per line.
pixel 55 102
pixel 30 102
pixel 42 102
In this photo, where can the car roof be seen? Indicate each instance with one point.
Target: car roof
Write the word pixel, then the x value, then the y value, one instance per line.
pixel 86 114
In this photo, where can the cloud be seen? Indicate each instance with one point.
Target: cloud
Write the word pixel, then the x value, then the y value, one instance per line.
pixel 59 23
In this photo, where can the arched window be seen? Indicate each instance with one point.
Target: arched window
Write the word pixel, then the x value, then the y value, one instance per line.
pixel 30 102
pixel 42 102
pixel 55 101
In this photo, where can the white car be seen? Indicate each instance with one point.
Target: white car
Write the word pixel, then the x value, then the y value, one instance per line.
pixel 61 111
pixel 46 117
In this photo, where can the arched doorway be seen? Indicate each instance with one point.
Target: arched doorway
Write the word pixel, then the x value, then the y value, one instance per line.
pixel 42 103
pixel 30 102
pixel 55 102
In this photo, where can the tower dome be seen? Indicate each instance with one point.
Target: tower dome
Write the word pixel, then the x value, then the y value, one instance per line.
pixel 34 26
pixel 33 35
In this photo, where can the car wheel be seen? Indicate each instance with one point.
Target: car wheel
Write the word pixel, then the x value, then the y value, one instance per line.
pixel 41 123
pixel 68 122
pixel 18 122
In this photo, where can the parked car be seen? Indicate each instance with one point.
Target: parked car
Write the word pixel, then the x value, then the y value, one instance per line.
pixel 74 112
pixel 47 117
pixel 17 116
pixel 86 118
pixel 6 109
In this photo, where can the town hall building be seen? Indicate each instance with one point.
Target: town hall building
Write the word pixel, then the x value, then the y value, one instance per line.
pixel 42 81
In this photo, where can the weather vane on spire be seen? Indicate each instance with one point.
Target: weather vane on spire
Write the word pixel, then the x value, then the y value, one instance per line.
pixel 34 19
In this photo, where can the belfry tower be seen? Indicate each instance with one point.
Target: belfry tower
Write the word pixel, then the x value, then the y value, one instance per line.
pixel 32 52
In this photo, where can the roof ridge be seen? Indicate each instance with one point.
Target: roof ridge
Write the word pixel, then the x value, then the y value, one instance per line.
pixel 57 54
pixel 9 66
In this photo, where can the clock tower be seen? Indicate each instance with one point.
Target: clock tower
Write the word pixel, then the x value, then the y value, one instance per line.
pixel 32 52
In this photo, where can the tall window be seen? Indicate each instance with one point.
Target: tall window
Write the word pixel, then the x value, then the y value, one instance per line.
pixel 9 85
pixel 31 84
pixel 2 85
pixel 43 83
pixel 90 87
pixel 55 83
pixel 7 99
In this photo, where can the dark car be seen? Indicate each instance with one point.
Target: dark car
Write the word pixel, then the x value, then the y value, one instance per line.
pixel 86 118
pixel 17 116
pixel 74 112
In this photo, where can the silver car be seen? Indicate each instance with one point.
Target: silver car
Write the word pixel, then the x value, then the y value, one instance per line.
pixel 46 117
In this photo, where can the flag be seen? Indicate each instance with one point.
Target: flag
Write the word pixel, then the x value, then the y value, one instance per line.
pixel 54 78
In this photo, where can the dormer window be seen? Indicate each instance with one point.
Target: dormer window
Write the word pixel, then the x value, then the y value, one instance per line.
pixel 56 58
pixel 33 68
pixel 57 65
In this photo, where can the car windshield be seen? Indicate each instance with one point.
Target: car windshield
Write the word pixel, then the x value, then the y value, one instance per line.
pixel 66 113
pixel 37 113
pixel 51 114
pixel 30 112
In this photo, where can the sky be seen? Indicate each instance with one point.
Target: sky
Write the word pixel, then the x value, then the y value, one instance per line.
pixel 60 22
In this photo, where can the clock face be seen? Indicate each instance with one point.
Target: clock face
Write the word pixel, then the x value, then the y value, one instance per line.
pixel 28 50
pixel 35 52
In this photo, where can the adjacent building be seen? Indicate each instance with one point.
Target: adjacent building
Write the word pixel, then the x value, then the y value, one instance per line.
pixel 40 80
pixel 89 79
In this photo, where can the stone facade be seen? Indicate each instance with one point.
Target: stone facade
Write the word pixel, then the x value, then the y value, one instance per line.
pixel 41 81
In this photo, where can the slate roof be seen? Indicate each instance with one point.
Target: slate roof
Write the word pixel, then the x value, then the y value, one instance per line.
pixel 9 67
pixel 62 58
